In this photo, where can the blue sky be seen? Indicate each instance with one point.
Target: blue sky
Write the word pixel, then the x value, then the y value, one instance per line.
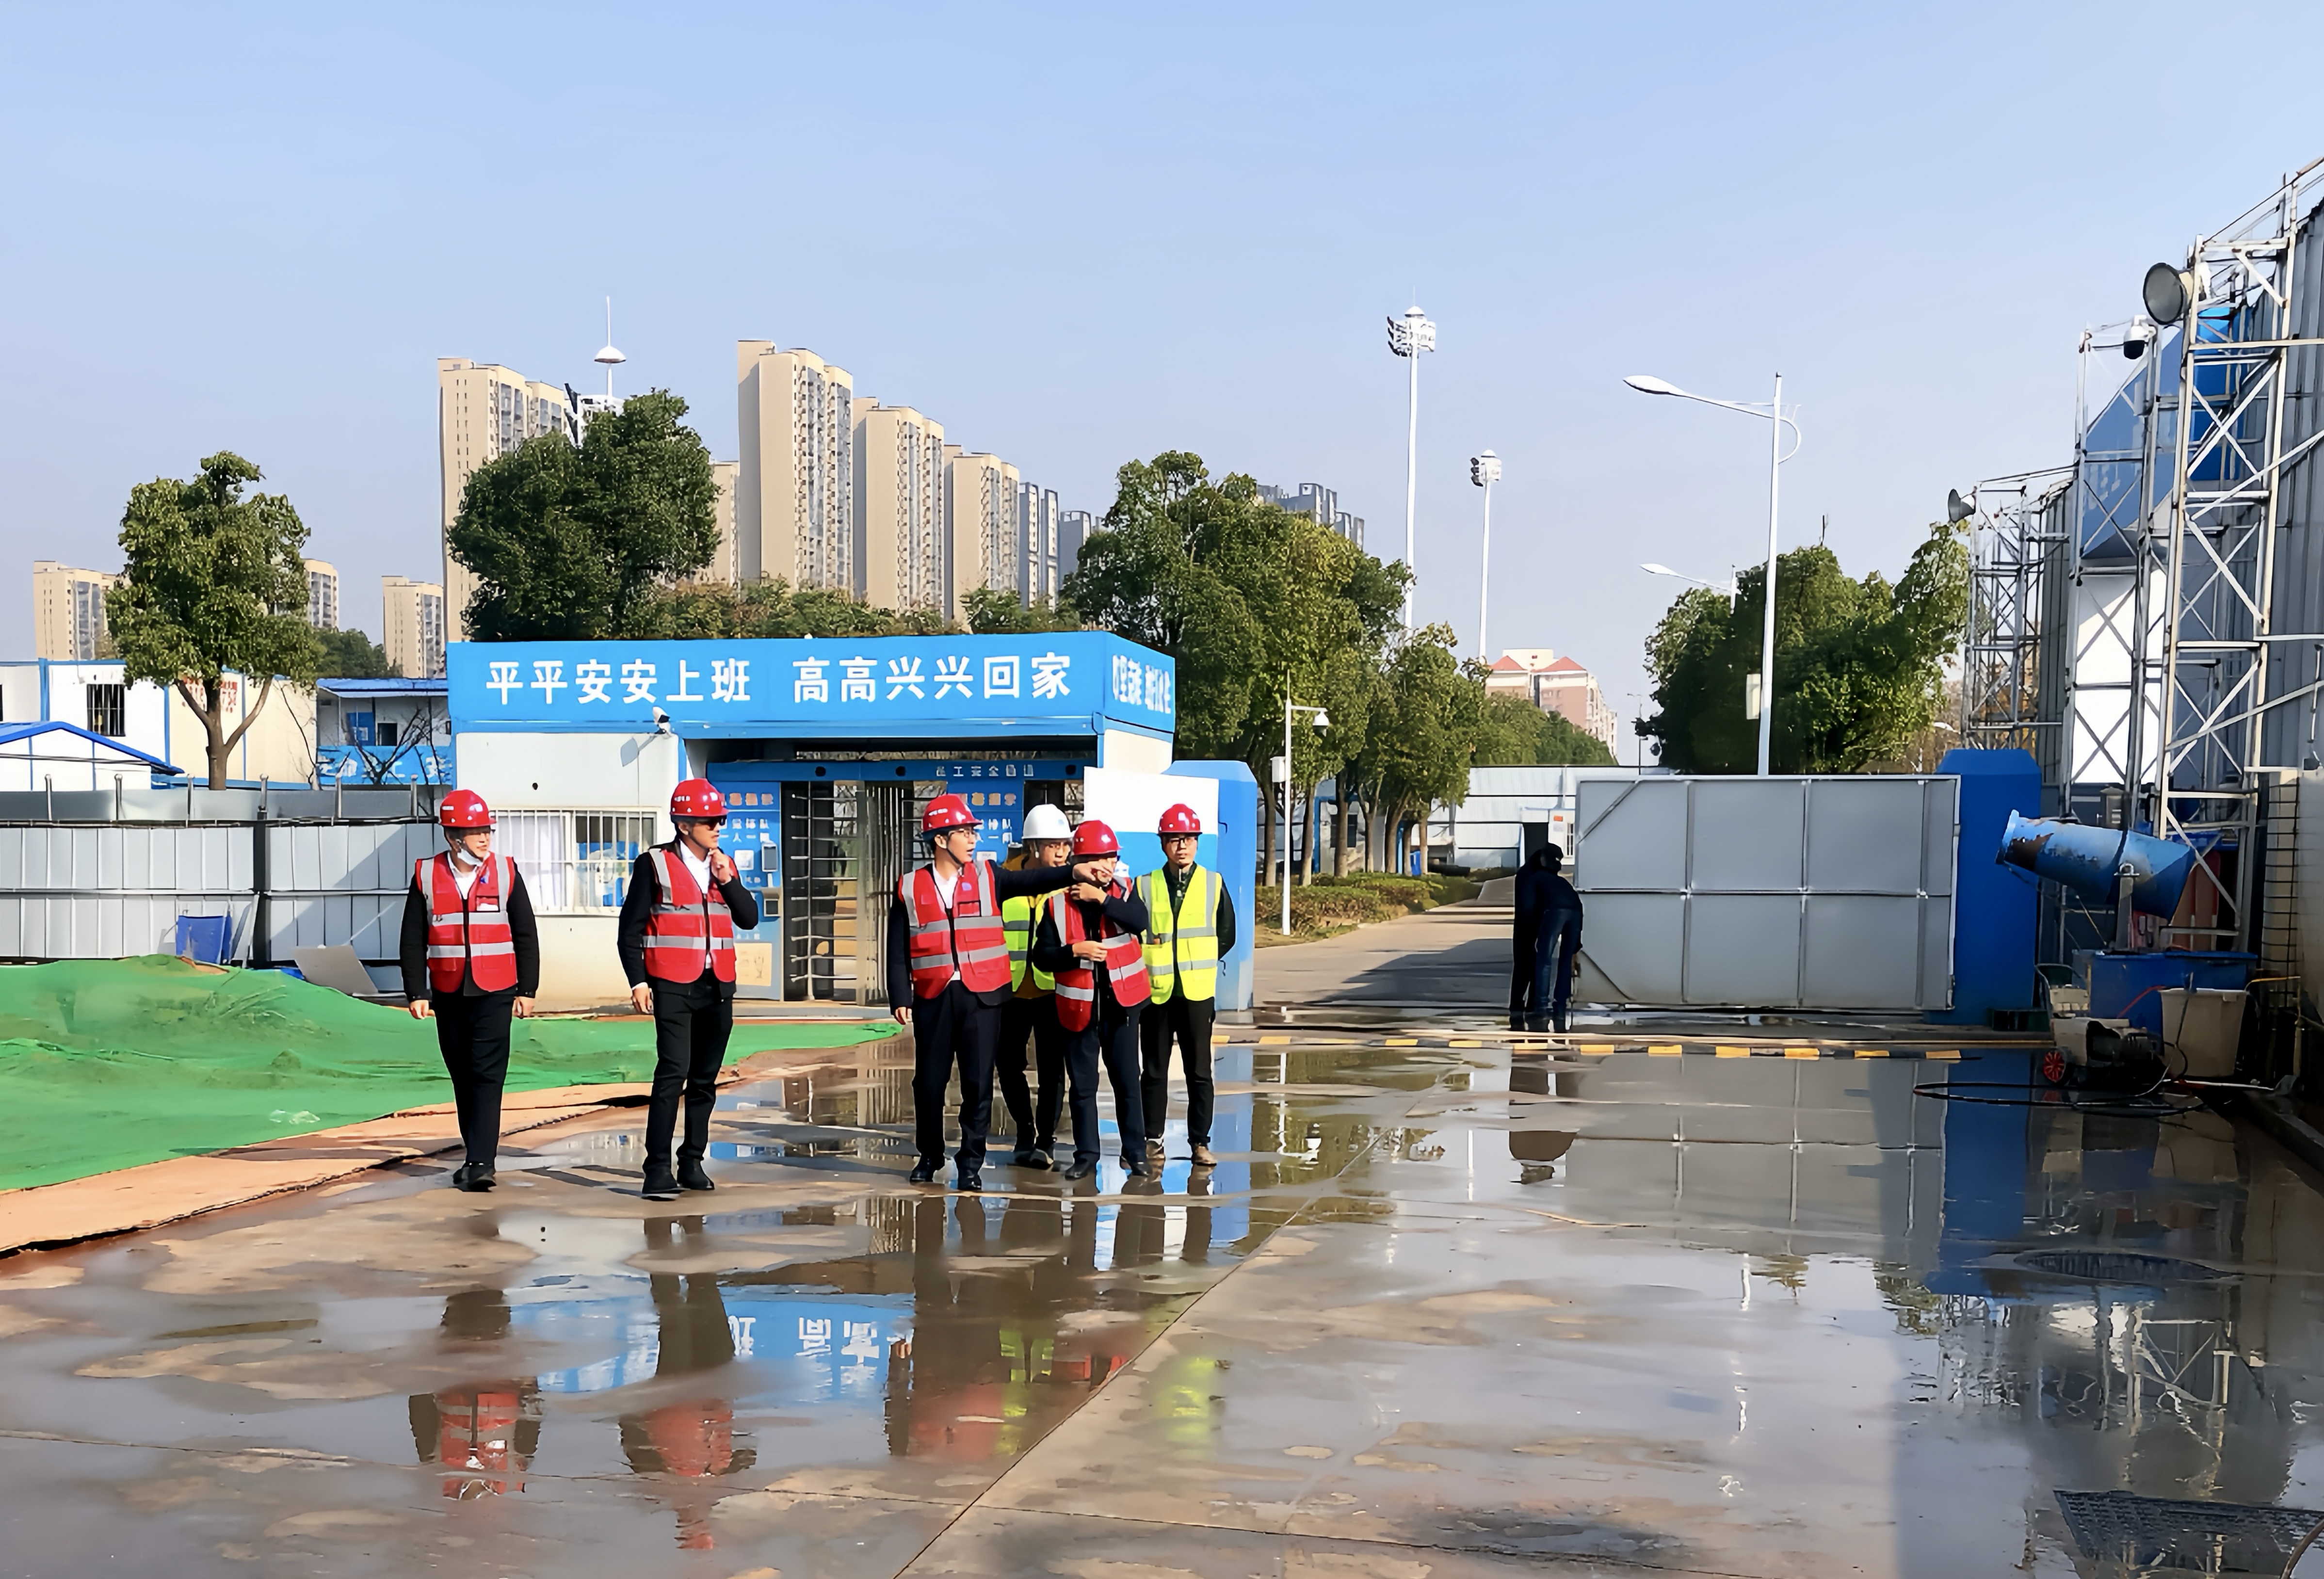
pixel 1076 235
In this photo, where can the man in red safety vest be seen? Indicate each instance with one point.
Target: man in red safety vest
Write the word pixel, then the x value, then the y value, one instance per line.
pixel 1092 938
pixel 471 959
pixel 677 936
pixel 949 975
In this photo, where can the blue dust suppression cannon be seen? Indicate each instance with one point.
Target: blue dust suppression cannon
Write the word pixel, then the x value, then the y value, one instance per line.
pixel 2087 860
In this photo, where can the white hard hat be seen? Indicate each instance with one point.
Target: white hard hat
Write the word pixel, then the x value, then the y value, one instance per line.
pixel 1047 822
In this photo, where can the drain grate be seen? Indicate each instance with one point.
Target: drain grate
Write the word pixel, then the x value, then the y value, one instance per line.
pixel 2206 1538
pixel 2115 1266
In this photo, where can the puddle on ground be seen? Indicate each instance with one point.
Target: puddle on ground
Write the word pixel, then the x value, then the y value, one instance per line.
pixel 1756 1316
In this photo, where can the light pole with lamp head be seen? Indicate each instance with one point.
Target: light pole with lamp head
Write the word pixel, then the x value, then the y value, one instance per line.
pixel 1485 470
pixel 1322 721
pixel 1774 411
pixel 1408 336
pixel 1727 590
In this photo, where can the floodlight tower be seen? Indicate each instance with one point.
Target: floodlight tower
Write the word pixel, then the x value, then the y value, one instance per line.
pixel 609 357
pixel 1485 470
pixel 1408 336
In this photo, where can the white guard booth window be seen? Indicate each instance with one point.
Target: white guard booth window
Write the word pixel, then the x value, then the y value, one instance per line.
pixel 1829 892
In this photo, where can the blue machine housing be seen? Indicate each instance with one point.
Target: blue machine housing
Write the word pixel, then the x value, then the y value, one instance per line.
pixel 1994 907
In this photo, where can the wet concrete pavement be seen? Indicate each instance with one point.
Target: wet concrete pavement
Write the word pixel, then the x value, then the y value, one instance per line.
pixel 1437 1312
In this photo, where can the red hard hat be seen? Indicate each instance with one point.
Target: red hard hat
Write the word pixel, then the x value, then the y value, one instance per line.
pixel 463 809
pixel 696 798
pixel 1093 837
pixel 1180 819
pixel 944 813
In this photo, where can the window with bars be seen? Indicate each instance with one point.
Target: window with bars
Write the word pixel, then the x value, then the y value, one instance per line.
pixel 108 710
pixel 574 861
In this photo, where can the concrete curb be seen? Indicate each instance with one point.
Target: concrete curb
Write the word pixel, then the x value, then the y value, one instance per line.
pixel 2285 1127
pixel 130 1199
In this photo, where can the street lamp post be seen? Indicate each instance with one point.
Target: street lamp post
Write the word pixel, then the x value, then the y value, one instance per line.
pixel 1728 588
pixel 1485 470
pixel 1322 721
pixel 1774 411
pixel 1408 336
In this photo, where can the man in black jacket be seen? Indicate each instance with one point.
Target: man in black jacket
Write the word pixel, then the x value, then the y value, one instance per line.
pixel 1547 936
pixel 953 1022
pixel 684 942
pixel 471 959
pixel 1102 908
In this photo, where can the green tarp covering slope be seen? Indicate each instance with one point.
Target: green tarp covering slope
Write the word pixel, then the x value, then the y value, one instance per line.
pixel 104 1064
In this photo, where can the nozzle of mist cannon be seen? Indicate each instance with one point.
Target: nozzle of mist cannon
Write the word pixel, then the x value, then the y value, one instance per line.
pixel 2086 860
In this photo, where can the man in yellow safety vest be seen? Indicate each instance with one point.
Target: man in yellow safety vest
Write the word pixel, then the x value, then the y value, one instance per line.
pixel 1191 923
pixel 1031 1013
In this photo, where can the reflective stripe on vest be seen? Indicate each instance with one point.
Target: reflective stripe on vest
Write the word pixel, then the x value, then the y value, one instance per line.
pixel 1182 945
pixel 1017 922
pixel 1125 963
pixel 970 941
pixel 685 928
pixel 468 936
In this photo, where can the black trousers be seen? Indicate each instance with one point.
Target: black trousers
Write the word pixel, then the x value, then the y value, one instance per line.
pixel 1110 1039
pixel 692 1021
pixel 1033 1117
pixel 1189 1020
pixel 954 1027
pixel 1541 975
pixel 474 1035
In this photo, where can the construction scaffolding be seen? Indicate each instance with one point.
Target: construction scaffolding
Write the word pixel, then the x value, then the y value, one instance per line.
pixel 2148 621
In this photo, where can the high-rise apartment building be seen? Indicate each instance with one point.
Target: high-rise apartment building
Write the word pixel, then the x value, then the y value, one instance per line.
pixel 1321 504
pixel 727 565
pixel 68 619
pixel 1036 533
pixel 794 505
pixel 415 626
pixel 1074 529
pixel 900 508
pixel 484 411
pixel 322 595
pixel 983 548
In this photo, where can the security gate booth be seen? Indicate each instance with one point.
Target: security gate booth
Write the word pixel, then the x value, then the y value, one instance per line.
pixel 825 751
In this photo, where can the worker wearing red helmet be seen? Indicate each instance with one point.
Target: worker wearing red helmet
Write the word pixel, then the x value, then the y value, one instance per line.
pixel 685 903
pixel 471 959
pixel 1092 938
pixel 949 975
pixel 1190 927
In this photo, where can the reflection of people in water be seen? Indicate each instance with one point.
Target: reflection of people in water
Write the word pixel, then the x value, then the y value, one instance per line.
pixel 1535 1151
pixel 484 1433
pixel 691 1440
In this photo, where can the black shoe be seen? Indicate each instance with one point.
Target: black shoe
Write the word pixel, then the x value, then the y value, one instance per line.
pixel 1038 1159
pixel 1139 1167
pixel 660 1186
pixel 1080 1170
pixel 1560 1018
pixel 690 1177
pixel 971 1181
pixel 464 1177
pixel 923 1172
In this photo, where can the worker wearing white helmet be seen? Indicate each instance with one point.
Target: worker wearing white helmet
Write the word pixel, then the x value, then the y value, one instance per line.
pixel 1031 1013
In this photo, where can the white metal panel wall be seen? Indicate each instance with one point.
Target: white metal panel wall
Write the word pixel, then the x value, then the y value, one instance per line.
pixel 1822 892
pixel 341 883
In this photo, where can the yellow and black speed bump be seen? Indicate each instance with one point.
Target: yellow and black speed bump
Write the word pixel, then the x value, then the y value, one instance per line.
pixel 1589 1047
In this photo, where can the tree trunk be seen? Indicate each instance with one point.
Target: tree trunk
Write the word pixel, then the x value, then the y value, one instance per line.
pixel 1306 801
pixel 1339 828
pixel 214 721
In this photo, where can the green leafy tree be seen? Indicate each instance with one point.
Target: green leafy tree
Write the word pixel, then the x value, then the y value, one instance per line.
pixel 1424 725
pixel 212 581
pixel 993 611
pixel 1516 734
pixel 1858 664
pixel 351 654
pixel 573 542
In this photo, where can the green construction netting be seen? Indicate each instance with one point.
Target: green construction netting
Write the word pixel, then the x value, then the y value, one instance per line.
pixel 105 1064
